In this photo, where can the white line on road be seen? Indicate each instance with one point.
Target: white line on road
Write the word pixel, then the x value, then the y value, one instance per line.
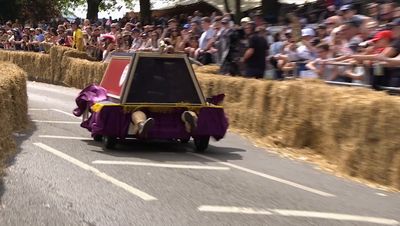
pixel 233 209
pixel 277 179
pixel 64 112
pixel 96 172
pixel 56 122
pixel 52 109
pixel 297 213
pixel 161 165
pixel 381 194
pixel 65 137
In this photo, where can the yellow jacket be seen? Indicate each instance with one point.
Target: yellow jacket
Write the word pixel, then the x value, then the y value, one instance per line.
pixel 78 40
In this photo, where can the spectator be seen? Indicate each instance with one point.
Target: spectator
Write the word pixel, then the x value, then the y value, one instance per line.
pixel 306 50
pixel 255 55
pixel 77 40
pixel 319 68
pixel 205 41
pixel 136 40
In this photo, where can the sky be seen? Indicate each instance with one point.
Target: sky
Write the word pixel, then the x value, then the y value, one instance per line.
pixel 81 11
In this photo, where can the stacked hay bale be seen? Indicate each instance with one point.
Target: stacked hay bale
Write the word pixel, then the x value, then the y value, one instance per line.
pixel 78 54
pixel 356 129
pixel 81 73
pixel 57 56
pixel 13 107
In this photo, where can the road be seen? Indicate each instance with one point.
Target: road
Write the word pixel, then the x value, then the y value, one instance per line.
pixel 62 177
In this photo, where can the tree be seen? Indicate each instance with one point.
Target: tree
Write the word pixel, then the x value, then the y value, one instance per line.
pixel 29 10
pixel 226 5
pixel 93 6
pixel 270 10
pixel 145 11
pixel 238 10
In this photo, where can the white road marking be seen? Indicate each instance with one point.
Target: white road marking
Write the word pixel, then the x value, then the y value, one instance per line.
pixel 277 179
pixel 64 112
pixel 233 209
pixel 52 109
pixel 56 122
pixel 381 194
pixel 297 213
pixel 39 109
pixel 65 137
pixel 161 165
pixel 96 172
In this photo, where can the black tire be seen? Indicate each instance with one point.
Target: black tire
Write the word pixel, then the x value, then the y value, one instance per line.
pixel 201 143
pixel 98 138
pixel 184 141
pixel 109 142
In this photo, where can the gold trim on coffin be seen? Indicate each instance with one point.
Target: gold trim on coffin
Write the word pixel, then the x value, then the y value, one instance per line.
pixel 153 107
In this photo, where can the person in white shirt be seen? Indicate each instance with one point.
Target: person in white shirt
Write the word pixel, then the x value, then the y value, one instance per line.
pixel 205 41
pixel 306 51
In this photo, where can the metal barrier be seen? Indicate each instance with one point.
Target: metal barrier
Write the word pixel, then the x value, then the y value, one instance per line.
pixel 391 90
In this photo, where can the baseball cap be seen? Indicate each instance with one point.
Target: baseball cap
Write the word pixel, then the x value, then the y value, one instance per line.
pixel 307 32
pixel 245 20
pixel 345 7
pixel 383 35
pixel 186 26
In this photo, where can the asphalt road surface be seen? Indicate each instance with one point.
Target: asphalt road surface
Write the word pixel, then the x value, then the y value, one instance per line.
pixel 62 177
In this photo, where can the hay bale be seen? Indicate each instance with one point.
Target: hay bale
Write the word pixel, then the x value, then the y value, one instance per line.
pixel 73 53
pixel 4 55
pixel 355 129
pixel 13 107
pixel 36 65
pixel 206 69
pixel 81 73
pixel 56 56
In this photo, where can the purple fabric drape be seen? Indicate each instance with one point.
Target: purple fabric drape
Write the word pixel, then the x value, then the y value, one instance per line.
pixel 114 121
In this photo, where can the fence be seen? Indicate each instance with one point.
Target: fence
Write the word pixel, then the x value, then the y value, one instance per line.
pixel 300 66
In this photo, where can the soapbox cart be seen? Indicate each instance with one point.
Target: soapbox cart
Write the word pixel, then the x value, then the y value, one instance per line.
pixel 163 87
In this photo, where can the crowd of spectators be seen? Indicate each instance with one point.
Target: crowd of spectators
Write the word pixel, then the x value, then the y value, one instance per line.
pixel 345 46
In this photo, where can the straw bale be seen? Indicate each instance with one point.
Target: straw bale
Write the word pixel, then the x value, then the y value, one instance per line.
pixel 13 107
pixel 56 56
pixel 207 69
pixel 353 128
pixel 73 53
pixel 4 55
pixel 37 65
pixel 81 73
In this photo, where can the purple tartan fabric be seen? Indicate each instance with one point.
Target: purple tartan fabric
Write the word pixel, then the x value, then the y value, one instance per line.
pixel 87 97
pixel 113 121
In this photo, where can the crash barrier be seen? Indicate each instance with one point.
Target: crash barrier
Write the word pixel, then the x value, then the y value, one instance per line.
pixel 13 107
pixel 375 77
pixel 355 129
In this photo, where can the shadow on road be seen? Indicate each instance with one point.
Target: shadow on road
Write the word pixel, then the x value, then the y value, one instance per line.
pixel 19 137
pixel 161 151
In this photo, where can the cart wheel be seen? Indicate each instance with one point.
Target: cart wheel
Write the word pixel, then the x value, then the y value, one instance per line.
pixel 201 143
pixel 184 141
pixel 109 142
pixel 98 138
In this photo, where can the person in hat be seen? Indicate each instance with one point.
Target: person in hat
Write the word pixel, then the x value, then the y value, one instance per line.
pixel 108 45
pixel 77 37
pixel 255 54
pixel 126 40
pixel 306 50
